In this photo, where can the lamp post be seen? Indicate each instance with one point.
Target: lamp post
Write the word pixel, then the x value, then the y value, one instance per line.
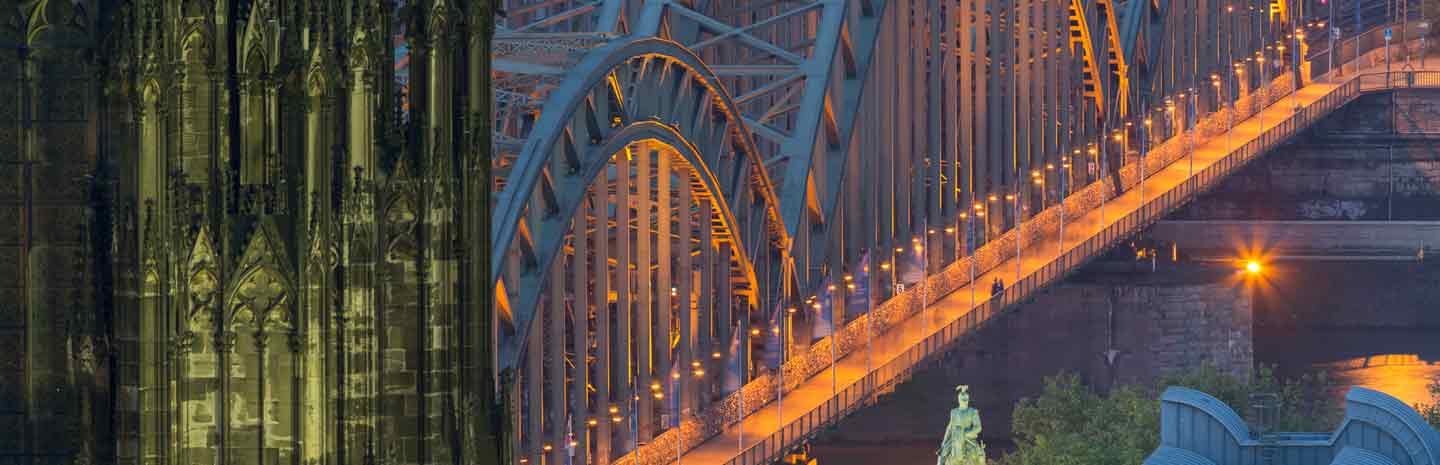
pixel 1170 114
pixel 991 200
pixel 1065 173
pixel 1099 164
pixel 1189 116
pixel 970 246
pixel 1230 36
pixel 869 312
pixel 1334 36
pixel 1044 191
pixel 1144 140
pixel 1230 123
pixel 1264 90
pixel 1016 199
pixel 920 246
pixel 1299 35
pixel 1122 137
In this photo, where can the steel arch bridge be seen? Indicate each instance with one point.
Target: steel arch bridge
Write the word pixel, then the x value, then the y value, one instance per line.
pixel 699 199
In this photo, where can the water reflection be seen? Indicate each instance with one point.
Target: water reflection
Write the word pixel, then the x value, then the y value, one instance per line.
pixel 1401 361
pixel 1406 382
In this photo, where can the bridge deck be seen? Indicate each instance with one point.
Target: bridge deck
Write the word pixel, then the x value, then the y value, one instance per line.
pixel 766 433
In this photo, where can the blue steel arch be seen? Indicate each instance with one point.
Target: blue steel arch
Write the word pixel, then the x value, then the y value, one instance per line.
pixel 732 180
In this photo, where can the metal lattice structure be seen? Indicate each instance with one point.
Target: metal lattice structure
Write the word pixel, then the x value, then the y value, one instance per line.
pixel 691 193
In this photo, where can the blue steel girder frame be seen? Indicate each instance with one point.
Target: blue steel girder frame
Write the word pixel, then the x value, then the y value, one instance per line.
pixel 794 71
pixel 829 129
pixel 574 139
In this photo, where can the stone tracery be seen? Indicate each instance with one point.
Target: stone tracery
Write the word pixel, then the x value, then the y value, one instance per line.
pixel 244 330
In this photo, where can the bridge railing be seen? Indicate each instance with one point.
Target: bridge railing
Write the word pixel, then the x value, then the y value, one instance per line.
pixel 1151 209
pixel 1399 80
pixel 1364 50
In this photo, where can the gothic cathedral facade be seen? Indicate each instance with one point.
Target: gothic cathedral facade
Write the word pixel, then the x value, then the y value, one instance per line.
pixel 244 232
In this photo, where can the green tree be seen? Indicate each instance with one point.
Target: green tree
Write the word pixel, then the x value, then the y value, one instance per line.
pixel 1071 424
pixel 1431 411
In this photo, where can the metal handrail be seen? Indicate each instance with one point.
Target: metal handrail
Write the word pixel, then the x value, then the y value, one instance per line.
pixel 860 392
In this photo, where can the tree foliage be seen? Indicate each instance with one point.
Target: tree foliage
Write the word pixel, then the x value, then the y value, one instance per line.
pixel 1431 410
pixel 1071 424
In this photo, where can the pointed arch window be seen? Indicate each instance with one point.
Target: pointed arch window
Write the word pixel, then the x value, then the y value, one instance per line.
pixel 256 129
pixel 197 108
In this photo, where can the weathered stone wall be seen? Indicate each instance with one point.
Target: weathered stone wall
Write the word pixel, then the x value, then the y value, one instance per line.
pixel 1172 320
pixel 1365 162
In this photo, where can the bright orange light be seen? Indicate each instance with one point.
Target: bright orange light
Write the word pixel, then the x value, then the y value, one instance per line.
pixel 1252 267
pixel 755 332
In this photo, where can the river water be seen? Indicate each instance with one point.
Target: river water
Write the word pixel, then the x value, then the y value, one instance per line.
pixel 1399 362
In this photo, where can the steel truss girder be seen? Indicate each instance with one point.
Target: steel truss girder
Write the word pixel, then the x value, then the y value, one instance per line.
pixel 576 136
pixel 813 86
pixel 570 16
